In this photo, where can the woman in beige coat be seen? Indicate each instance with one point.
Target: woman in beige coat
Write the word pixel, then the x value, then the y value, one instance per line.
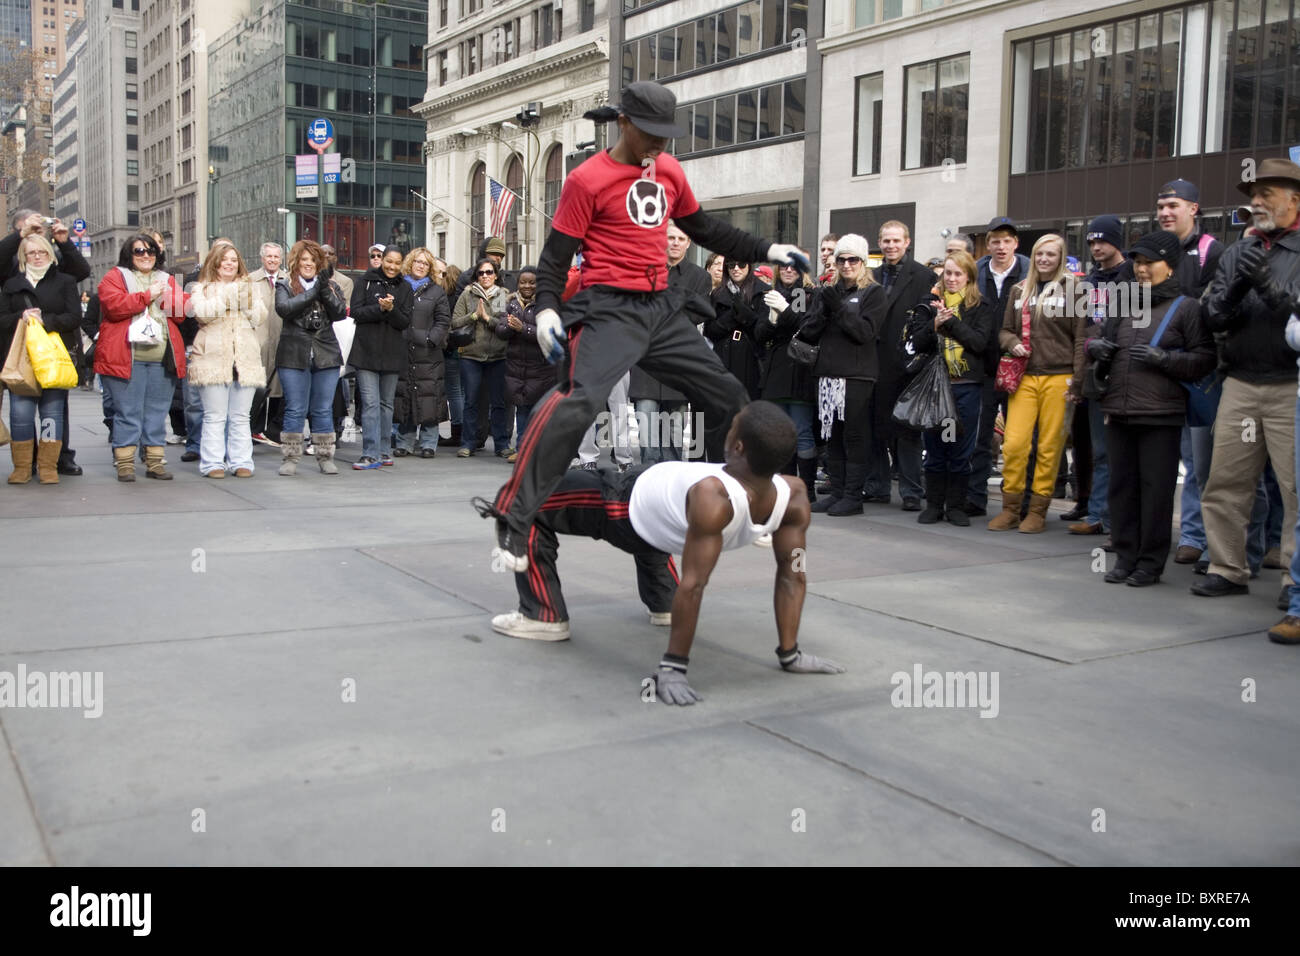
pixel 226 362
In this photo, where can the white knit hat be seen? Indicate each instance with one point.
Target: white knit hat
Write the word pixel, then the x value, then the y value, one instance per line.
pixel 851 244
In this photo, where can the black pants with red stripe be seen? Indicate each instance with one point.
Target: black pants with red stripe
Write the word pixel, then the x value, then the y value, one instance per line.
pixel 592 504
pixel 609 332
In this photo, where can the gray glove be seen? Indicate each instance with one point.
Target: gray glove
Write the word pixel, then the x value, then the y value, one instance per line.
pixel 671 687
pixel 798 662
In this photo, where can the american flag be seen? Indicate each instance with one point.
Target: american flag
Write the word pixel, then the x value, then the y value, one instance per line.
pixel 502 200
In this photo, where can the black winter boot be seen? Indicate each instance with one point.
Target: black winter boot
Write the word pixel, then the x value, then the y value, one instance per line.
pixel 855 476
pixel 955 511
pixel 836 471
pixel 936 491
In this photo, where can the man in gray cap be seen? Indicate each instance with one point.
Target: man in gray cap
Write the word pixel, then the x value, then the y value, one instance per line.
pixel 616 206
pixel 1250 299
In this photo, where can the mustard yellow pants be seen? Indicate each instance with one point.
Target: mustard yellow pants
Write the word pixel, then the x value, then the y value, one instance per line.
pixel 1039 399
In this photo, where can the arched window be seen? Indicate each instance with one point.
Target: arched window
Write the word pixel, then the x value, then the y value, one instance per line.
pixel 554 180
pixel 477 211
pixel 515 183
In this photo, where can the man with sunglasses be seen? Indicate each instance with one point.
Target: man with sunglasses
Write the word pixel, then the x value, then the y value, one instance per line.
pixel 616 206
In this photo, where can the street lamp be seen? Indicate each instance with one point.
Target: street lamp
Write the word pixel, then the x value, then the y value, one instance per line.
pixel 528 117
pixel 284 227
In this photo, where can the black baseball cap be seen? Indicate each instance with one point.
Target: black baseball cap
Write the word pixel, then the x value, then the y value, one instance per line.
pixel 1004 222
pixel 1161 244
pixel 1180 189
pixel 651 108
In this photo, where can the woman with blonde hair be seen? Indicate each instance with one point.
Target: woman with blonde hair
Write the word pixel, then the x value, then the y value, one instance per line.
pixel 420 403
pixel 1042 324
pixel 226 361
pixel 958 328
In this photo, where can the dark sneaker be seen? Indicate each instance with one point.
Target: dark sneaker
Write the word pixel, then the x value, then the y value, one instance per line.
pixel 1118 575
pixel 1142 578
pixel 427 453
pixel 911 504
pixel 1284 598
pixel 1187 554
pixel 190 456
pixel 365 464
pixel 1216 585
pixel 386 461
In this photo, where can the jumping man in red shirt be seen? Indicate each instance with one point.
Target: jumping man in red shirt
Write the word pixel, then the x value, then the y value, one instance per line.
pixel 616 207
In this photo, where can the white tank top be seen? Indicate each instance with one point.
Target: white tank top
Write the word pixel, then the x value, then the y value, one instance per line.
pixel 658 505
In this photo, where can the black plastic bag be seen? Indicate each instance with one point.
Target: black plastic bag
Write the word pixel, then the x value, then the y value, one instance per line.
pixel 927 402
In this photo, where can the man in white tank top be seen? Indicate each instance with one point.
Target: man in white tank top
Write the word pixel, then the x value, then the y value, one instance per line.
pixel 694 509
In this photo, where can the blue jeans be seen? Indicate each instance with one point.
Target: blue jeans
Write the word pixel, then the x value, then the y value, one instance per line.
pixel 193 415
pixel 227 433
pixel 451 385
pixel 804 417
pixel 308 394
pixel 954 457
pixel 1294 609
pixel 473 376
pixel 405 437
pixel 522 414
pixel 24 411
pixel 140 405
pixel 1098 505
pixel 376 391
pixel 655 445
pixel 1197 446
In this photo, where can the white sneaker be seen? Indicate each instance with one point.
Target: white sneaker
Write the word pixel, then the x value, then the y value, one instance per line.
pixel 515 624
pixel 762 541
pixel 662 620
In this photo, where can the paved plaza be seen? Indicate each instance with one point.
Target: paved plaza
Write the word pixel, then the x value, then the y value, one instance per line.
pixel 302 671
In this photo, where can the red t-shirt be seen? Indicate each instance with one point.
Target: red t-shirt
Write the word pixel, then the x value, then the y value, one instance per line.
pixel 621 213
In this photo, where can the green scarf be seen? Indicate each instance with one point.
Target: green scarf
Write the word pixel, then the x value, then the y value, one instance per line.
pixel 953 353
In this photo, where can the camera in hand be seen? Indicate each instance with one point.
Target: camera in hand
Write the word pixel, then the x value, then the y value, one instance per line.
pixel 313 320
pixel 925 311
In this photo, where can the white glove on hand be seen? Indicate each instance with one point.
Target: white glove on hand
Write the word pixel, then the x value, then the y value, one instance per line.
pixel 774 300
pixel 550 335
pixel 788 255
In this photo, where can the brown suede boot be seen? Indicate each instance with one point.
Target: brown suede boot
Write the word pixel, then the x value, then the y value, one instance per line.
pixel 153 457
pixel 1009 518
pixel 22 452
pixel 1036 521
pixel 124 460
pixel 47 462
pixel 323 442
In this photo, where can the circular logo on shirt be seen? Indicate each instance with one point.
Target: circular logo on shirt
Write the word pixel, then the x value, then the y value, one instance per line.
pixel 647 206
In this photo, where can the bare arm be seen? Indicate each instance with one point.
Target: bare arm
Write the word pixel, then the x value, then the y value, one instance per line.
pixel 789 546
pixel 708 511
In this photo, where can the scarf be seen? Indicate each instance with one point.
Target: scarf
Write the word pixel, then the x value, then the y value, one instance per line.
pixel 830 403
pixel 417 285
pixel 36 273
pixel 954 356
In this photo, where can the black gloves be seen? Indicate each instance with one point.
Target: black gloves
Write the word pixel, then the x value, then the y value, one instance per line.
pixel 1101 350
pixel 832 298
pixel 1150 355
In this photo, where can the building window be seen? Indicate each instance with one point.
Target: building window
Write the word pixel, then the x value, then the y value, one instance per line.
pixel 132 117
pixel 187 171
pixel 442 14
pixel 548 26
pixel 133 167
pixel 477 218
pixel 185 34
pixel 132 141
pixel 186 99
pixel 442 67
pixel 470 7
pixel 185 67
pixel 935 98
pixel 514 182
pixel 587 16
pixel 867 120
pixel 554 181
pixel 187 137
pixel 131 39
pixel 130 65
pixel 132 91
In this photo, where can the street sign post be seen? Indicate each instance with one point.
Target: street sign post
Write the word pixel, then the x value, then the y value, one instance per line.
pixel 320 135
pixel 79 227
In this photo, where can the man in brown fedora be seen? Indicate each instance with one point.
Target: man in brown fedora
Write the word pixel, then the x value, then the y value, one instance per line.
pixel 1249 300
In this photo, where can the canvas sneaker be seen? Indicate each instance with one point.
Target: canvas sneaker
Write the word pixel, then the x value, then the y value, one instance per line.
pixel 515 624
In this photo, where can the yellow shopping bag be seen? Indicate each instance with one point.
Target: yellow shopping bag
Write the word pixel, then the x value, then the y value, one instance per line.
pixel 50 360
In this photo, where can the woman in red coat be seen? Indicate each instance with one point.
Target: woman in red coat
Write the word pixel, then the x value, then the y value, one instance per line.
pixel 140 370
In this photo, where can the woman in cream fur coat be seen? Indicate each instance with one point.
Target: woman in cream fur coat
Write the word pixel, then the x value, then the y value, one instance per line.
pixel 226 362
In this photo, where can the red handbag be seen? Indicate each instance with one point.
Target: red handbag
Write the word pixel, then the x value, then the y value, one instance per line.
pixel 1011 369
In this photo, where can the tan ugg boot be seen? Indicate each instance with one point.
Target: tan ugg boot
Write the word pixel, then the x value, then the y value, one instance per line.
pixel 22 454
pixel 291 447
pixel 153 457
pixel 124 459
pixel 1009 518
pixel 1036 521
pixel 323 442
pixel 47 462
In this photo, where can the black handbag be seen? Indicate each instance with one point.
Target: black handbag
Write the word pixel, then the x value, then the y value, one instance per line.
pixel 458 338
pixel 803 353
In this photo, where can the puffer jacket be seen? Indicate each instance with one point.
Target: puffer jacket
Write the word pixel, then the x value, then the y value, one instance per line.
pixel 1058 330
pixel 378 345
pixel 117 309
pixel 846 331
pixel 487 346
pixel 784 379
pixel 528 375
pixel 226 347
pixel 732 332
pixel 1139 390
pixel 55 295
pixel 1255 348
pixel 971 330
pixel 307 339
pixel 421 391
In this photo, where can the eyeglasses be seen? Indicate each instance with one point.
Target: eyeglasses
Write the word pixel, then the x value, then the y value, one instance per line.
pixel 485 272
pixel 376 255
pixel 143 252
pixel 847 260
pixel 36 252
pixel 737 265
